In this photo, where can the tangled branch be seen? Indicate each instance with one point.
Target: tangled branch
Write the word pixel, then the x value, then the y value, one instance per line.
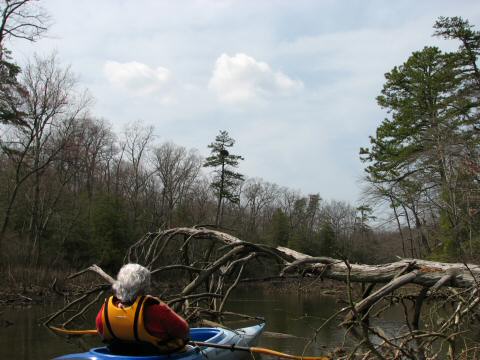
pixel 204 266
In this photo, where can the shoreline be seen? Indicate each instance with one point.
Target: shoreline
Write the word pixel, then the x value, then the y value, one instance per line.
pixel 38 294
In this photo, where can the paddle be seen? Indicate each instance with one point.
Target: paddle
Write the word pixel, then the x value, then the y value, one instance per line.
pixel 232 347
pixel 73 332
pixel 259 350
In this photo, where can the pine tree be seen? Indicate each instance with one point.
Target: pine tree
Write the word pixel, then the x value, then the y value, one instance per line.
pixel 226 180
pixel 327 236
pixel 11 91
pixel 425 150
pixel 280 229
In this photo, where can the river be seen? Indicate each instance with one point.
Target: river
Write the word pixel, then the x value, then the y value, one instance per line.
pixel 297 314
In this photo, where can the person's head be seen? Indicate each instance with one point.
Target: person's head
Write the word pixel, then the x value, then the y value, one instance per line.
pixel 132 280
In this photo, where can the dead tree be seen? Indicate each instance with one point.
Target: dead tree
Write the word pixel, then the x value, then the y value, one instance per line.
pixel 205 265
pixel 22 19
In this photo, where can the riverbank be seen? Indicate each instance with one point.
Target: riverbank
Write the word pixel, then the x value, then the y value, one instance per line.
pixel 24 287
pixel 302 285
pixel 336 289
pixel 34 294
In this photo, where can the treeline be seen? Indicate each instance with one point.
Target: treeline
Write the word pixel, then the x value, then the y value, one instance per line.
pixel 75 192
pixel 423 161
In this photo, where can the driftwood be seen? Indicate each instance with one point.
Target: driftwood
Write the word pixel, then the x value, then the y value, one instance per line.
pixel 207 264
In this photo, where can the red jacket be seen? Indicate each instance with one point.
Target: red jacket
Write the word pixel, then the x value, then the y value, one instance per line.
pixel 160 321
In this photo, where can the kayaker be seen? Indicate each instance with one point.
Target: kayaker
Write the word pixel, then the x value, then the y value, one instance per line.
pixel 132 322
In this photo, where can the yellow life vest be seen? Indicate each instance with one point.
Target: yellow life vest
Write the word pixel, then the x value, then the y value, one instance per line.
pixel 127 325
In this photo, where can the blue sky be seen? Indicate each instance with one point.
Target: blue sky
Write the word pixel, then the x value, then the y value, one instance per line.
pixel 294 82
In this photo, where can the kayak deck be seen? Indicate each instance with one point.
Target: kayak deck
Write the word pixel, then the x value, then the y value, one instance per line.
pixel 241 337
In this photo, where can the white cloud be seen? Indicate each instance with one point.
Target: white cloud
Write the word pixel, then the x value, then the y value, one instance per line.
pixel 340 50
pixel 137 78
pixel 241 78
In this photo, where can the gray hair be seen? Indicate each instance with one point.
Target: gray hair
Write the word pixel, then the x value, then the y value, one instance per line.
pixel 132 280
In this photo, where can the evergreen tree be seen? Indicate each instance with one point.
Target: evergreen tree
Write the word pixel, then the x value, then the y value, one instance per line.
pixel 414 149
pixel 423 151
pixel 110 231
pixel 364 214
pixel 226 180
pixel 304 236
pixel 10 91
pixel 459 29
pixel 280 229
pixel 327 236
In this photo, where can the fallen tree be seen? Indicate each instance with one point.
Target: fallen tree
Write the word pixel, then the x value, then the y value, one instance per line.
pixel 208 264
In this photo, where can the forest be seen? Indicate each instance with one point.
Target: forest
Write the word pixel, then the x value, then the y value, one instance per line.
pixel 77 191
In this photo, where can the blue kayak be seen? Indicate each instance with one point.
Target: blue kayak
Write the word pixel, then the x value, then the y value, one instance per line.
pixel 242 337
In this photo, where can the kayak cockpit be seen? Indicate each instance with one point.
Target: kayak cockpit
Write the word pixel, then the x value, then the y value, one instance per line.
pixel 211 335
pixel 242 337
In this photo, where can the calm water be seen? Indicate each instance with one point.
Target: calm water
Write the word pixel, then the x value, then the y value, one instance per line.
pixel 295 314
pixel 300 314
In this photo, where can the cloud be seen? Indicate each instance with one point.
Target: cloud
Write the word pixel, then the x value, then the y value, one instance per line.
pixel 241 78
pixel 137 78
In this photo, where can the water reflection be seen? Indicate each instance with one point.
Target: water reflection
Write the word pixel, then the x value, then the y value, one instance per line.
pixel 298 314
pixel 301 314
pixel 294 313
pixel 25 339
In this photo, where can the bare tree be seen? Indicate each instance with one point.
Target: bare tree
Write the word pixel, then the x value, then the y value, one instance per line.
pixel 177 169
pixel 96 144
pixel 18 19
pixel 287 200
pixel 22 19
pixel 136 139
pixel 258 195
pixel 51 107
pixel 341 216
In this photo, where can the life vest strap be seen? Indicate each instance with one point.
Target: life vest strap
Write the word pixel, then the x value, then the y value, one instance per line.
pixel 107 320
pixel 135 319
